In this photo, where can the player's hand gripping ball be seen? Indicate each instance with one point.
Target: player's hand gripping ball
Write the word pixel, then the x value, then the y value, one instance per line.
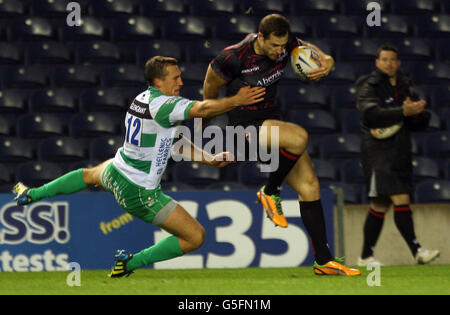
pixel 304 60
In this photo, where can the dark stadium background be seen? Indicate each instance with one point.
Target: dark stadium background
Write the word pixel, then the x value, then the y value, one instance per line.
pixel 64 90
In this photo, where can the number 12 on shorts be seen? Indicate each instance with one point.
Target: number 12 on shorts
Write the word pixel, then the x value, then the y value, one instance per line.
pixel 133 125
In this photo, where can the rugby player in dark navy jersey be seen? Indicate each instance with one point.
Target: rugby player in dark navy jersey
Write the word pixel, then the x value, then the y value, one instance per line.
pixel 259 60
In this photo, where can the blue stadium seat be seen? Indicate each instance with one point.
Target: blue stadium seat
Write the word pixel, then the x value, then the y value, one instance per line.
pixel 124 75
pixel 16 150
pixel 11 8
pixel 333 26
pixel 205 51
pixel 352 172
pixel 209 8
pixel 350 120
pixel 108 8
pixel 262 8
pixel 357 49
pixel 424 168
pixel 193 73
pixel 61 149
pixel 134 28
pixel 343 96
pixel 98 52
pixel 167 48
pixel 90 29
pixel 352 192
pixel 324 170
pixel 234 28
pixel 5 176
pixel 226 186
pixel 54 9
pixel 442 48
pixel 185 28
pixel 36 174
pixel 74 76
pixel 31 29
pixel 192 92
pixel 433 191
pixel 12 101
pixel 391 26
pixel 163 8
pixel 27 77
pixel 47 52
pixel 196 174
pixel 441 96
pixel 429 72
pixel 10 54
pixel 40 125
pixel 105 148
pixel 414 49
pixel 53 100
pixel 103 100
pixel 433 25
pixel 313 120
pixel 95 124
pixel 313 7
pixel 174 187
pixel 340 146
pixel 301 28
pixel 359 8
pixel 6 126
pixel 342 73
pixel 249 174
pixel 415 7
pixel 437 145
pixel 303 97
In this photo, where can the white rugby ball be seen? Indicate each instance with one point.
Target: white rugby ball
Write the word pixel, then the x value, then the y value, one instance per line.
pixel 387 132
pixel 304 60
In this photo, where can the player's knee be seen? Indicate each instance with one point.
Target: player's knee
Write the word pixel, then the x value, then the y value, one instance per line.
pixel 88 176
pixel 300 143
pixel 310 188
pixel 197 238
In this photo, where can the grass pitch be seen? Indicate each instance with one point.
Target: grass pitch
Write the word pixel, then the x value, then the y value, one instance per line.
pixel 430 279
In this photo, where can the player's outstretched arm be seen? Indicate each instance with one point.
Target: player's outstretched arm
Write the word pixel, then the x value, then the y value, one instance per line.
pixel 214 107
pixel 194 153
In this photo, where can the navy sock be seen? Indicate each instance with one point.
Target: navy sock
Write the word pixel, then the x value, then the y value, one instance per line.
pixel 372 229
pixel 314 222
pixel 403 221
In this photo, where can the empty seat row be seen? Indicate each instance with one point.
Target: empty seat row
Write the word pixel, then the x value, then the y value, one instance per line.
pixel 222 7
pixel 187 27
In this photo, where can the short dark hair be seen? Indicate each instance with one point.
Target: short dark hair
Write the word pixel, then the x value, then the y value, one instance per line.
pixel 275 24
pixel 155 67
pixel 387 46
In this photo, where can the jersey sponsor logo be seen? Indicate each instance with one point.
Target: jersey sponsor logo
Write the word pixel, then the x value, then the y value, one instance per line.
pixel 163 151
pixel 138 109
pixel 250 70
pixel 270 79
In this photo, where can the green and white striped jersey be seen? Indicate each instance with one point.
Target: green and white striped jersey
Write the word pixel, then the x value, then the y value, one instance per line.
pixel 150 123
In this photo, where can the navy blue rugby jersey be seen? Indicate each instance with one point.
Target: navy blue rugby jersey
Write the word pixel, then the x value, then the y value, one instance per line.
pixel 239 65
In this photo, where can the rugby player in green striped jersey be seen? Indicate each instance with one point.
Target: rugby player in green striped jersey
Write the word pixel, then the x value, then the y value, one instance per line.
pixel 134 174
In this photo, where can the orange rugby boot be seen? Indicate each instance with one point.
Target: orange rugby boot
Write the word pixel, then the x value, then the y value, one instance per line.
pixel 335 268
pixel 272 206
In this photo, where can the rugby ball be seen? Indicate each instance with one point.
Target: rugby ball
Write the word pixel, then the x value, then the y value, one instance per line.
pixel 387 132
pixel 304 60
